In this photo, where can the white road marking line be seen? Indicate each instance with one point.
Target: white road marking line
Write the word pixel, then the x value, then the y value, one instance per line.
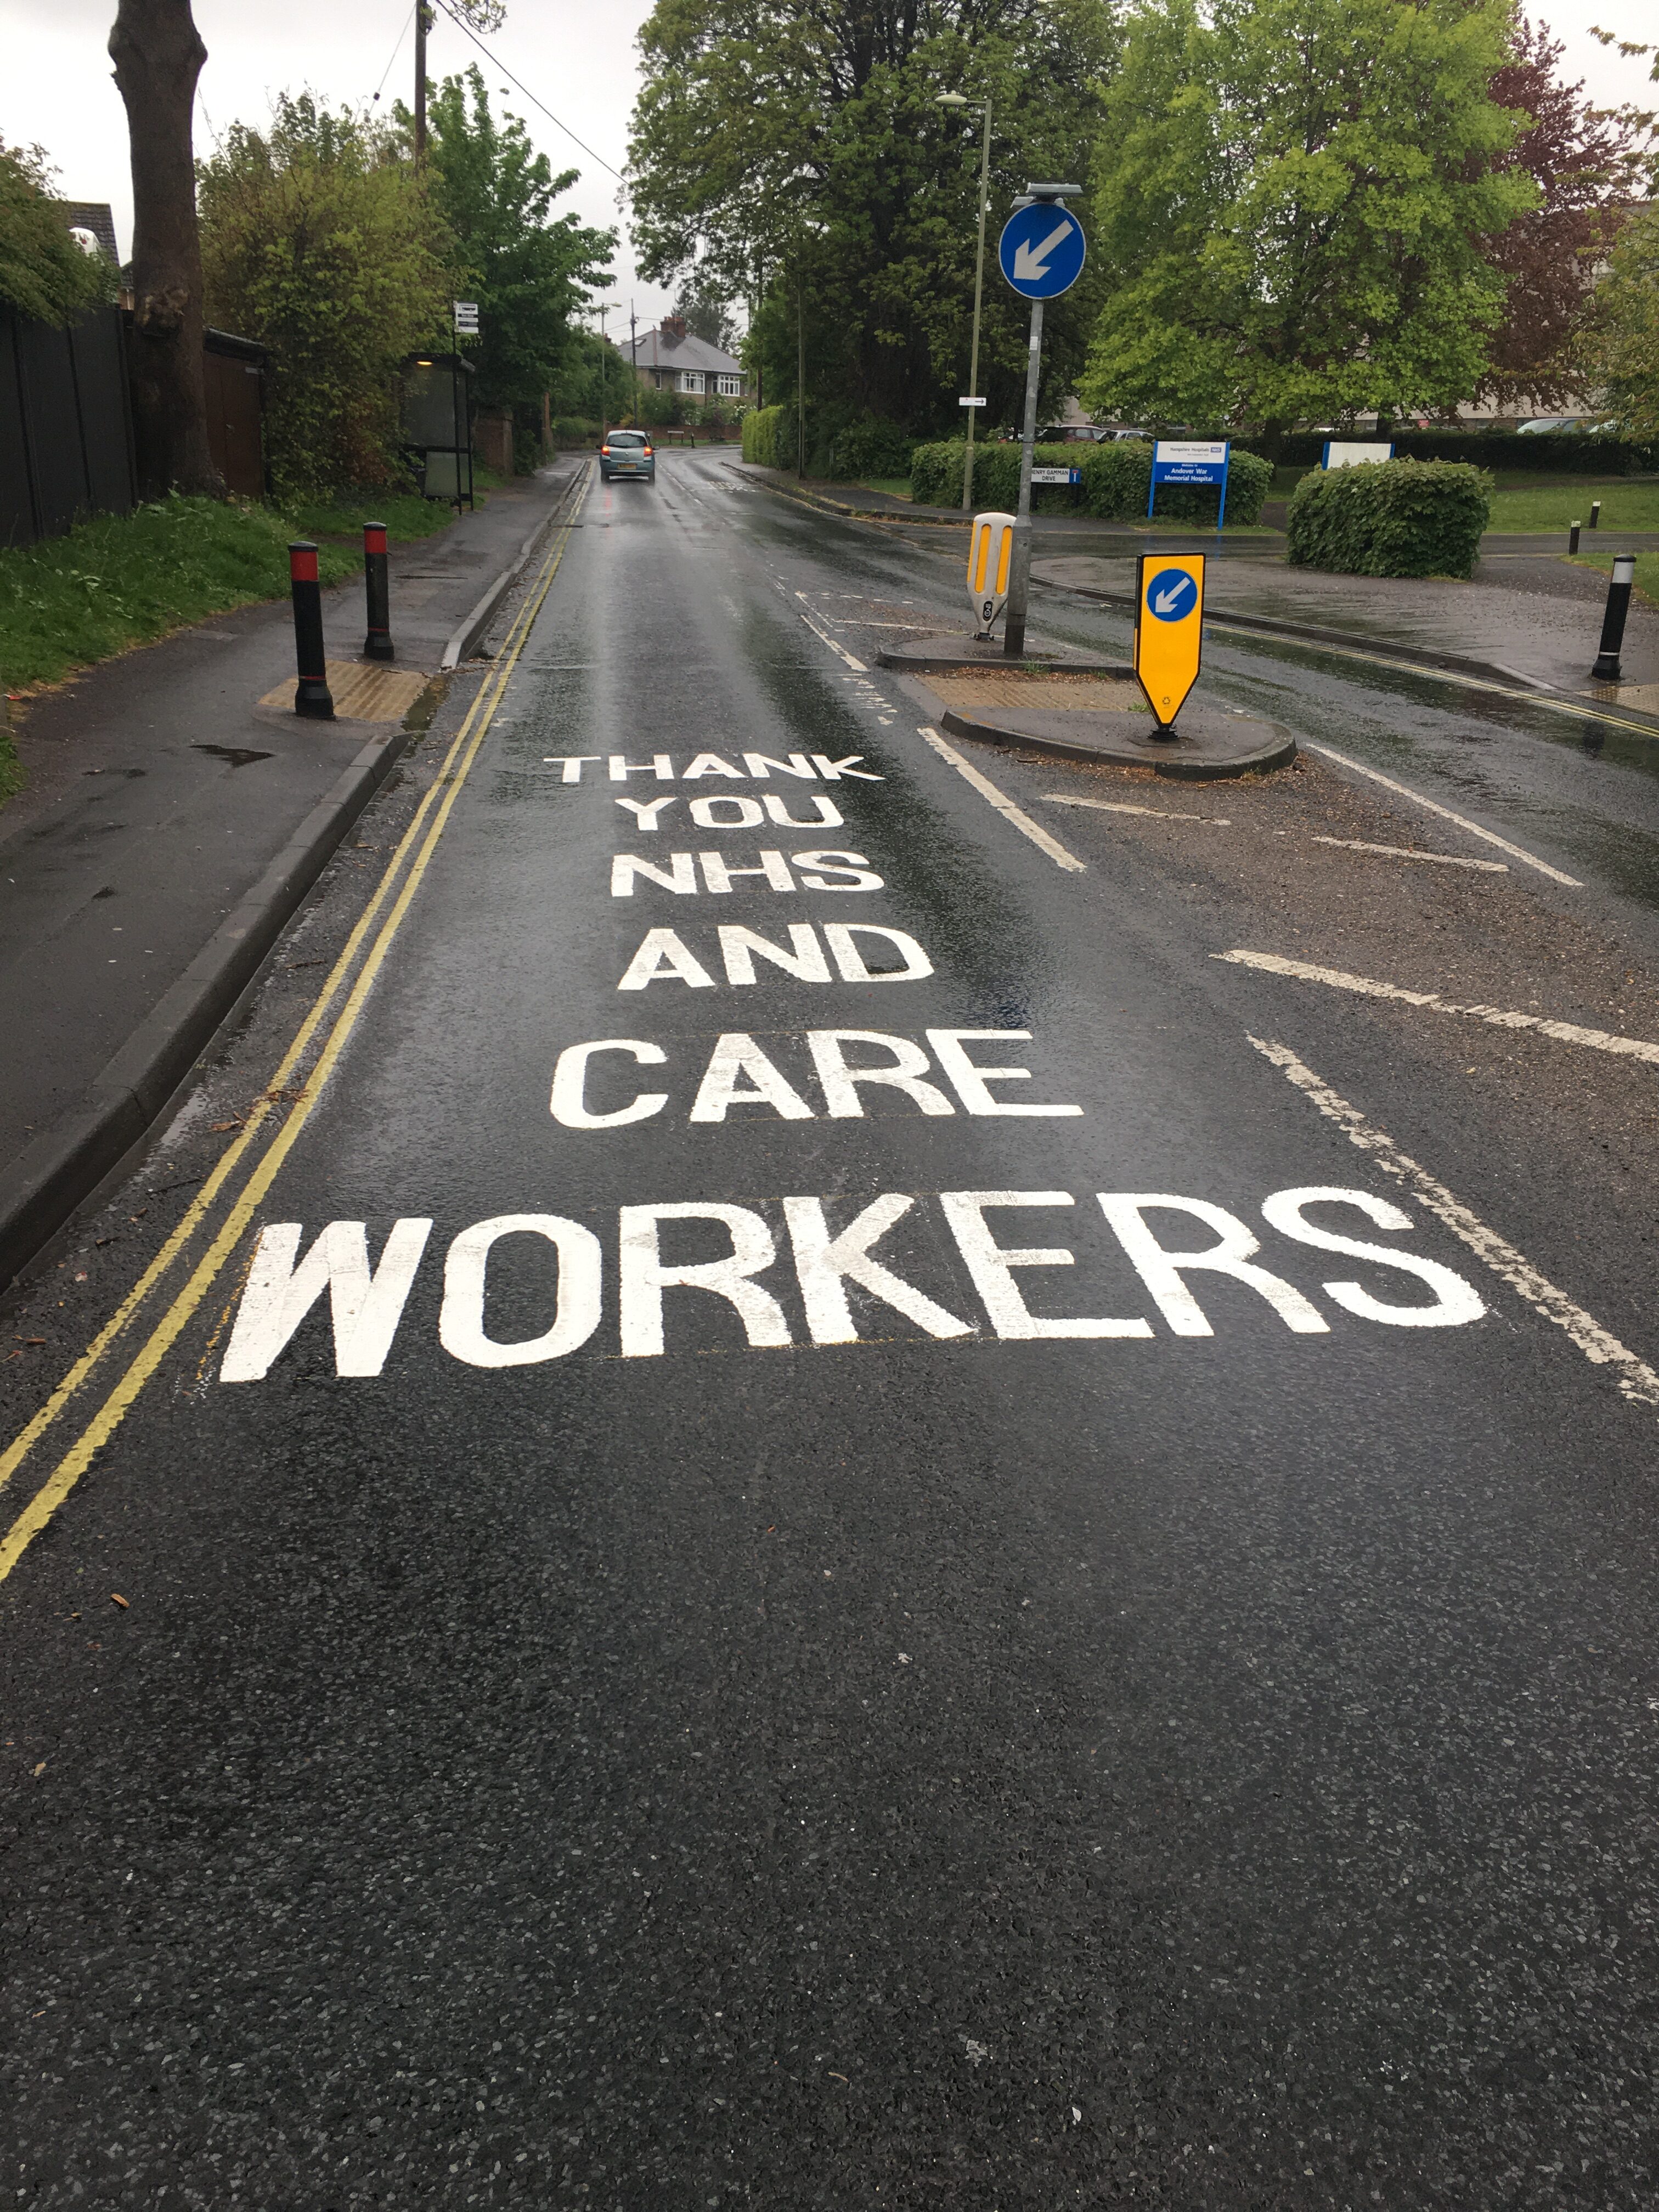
pixel 1500 1017
pixel 834 646
pixel 1406 852
pixel 982 784
pixel 1118 806
pixel 1637 1380
pixel 1433 806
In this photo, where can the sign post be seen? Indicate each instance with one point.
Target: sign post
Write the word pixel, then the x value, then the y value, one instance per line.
pixel 1169 630
pixel 1040 254
pixel 1190 461
pixel 466 319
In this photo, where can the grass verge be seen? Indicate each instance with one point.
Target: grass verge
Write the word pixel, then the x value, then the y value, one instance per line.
pixel 1625 506
pixel 1647 571
pixel 125 579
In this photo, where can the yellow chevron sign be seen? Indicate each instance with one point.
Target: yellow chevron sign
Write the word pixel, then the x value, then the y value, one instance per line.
pixel 1168 629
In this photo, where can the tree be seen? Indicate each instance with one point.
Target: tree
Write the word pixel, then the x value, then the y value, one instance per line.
pixel 158 55
pixel 1292 200
pixel 322 243
pixel 530 271
pixel 1586 162
pixel 796 157
pixel 43 272
pixel 707 315
pixel 1623 340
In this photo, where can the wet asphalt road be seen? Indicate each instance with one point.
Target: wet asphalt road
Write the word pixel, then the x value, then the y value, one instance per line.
pixel 1011 1723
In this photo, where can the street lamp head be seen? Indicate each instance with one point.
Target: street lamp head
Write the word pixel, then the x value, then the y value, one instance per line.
pixel 949 99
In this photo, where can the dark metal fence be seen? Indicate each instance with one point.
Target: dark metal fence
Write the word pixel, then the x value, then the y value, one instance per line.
pixel 65 425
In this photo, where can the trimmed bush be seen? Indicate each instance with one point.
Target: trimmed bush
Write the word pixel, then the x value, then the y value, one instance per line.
pixel 760 435
pixel 871 448
pixel 1116 479
pixel 1390 518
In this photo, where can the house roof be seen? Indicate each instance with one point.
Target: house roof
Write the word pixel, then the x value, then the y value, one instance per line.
pixel 95 217
pixel 660 349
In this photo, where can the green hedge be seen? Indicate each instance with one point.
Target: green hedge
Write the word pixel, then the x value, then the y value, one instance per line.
pixel 760 435
pixel 1390 518
pixel 1542 452
pixel 1116 479
pixel 871 448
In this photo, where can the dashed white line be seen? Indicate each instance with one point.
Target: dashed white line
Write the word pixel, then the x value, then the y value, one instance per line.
pixel 1006 807
pixel 1407 853
pixel 833 645
pixel 1433 806
pixel 1637 1380
pixel 1304 971
pixel 1122 806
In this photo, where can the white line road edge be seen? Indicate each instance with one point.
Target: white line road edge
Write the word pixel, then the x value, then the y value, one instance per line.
pixel 833 645
pixel 1637 1380
pixel 1122 806
pixel 1433 806
pixel 1303 971
pixel 1406 852
pixel 986 790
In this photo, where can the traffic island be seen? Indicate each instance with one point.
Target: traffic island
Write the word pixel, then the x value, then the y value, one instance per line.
pixel 946 651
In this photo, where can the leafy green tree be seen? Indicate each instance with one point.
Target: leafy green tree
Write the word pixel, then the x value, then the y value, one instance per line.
pixel 530 270
pixel 796 157
pixel 1622 350
pixel 707 315
pixel 320 240
pixel 1292 199
pixel 43 272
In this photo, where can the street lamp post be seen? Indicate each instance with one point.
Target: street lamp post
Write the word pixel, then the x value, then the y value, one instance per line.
pixel 957 100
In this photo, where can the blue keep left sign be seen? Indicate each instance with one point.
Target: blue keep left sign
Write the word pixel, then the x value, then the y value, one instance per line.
pixel 1041 249
pixel 1171 595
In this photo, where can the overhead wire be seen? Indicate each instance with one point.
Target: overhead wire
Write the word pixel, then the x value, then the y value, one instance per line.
pixel 461 23
pixel 396 51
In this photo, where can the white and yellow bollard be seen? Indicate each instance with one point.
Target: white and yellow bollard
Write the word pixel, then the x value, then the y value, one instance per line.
pixel 990 551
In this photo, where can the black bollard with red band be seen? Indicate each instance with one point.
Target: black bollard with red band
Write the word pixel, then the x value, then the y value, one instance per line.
pixel 312 695
pixel 377 643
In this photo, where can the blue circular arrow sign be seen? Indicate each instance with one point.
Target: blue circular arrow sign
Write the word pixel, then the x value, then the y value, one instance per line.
pixel 1041 249
pixel 1171 595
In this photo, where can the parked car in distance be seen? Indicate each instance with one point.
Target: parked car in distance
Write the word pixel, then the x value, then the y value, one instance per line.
pixel 1071 434
pixel 627 453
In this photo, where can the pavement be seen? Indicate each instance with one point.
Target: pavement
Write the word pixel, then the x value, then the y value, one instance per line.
pixel 828 1468
pixel 175 814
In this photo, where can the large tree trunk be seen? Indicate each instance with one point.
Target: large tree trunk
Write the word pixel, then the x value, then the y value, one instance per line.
pixel 158 55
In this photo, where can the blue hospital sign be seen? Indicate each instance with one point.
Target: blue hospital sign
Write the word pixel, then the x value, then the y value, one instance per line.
pixel 1201 461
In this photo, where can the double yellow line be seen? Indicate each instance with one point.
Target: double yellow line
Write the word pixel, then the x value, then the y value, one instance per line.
pixel 398 886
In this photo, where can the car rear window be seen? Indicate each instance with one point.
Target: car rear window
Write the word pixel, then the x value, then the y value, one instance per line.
pixel 627 438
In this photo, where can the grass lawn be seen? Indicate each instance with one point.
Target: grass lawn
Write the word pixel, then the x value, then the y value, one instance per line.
pixel 1625 505
pixel 1647 571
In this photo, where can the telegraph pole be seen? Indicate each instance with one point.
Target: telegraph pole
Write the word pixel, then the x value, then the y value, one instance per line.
pixel 420 20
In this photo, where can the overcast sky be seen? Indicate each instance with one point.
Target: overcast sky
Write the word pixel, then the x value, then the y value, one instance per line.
pixel 576 56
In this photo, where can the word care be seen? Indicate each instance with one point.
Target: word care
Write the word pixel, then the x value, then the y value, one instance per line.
pixel 803 1297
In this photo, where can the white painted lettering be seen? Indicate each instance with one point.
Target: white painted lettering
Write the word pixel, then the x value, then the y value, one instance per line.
pixel 805 961
pixel 1454 1302
pixel 645 811
pixel 576 1309
pixel 850 960
pixel 710 764
pixel 902 1073
pixel 718 877
pixel 568 1103
pixel 747 817
pixel 832 771
pixel 830 815
pixel 366 1308
pixel 659 765
pixel 838 864
pixel 625 866
pixel 735 1056
pixel 660 955
pixel 1161 1271
pixel 643 1278
pixel 571 762
pixel 989 1263
pixel 823 1262
pixel 970 1081
pixel 760 765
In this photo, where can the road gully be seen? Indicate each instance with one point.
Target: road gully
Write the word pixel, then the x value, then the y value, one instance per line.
pixel 826 1474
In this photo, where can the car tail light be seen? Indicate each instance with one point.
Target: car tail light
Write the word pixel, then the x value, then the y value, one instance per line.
pixel 604 453
pixel 648 452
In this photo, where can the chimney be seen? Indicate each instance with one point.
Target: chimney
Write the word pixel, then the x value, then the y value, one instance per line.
pixel 673 326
